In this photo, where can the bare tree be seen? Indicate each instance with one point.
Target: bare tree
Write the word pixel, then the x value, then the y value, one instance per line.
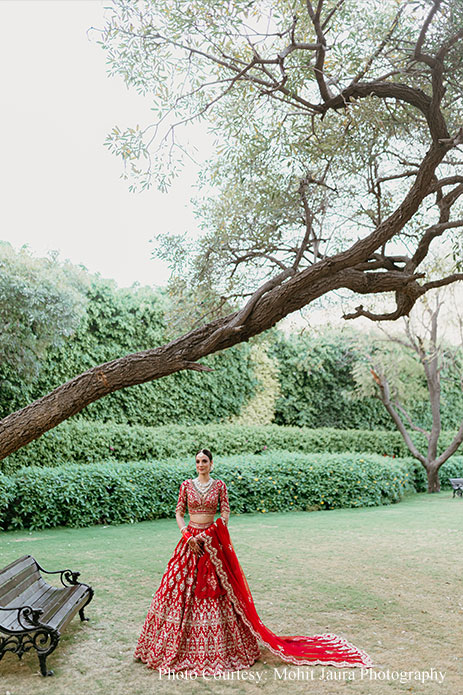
pixel 433 357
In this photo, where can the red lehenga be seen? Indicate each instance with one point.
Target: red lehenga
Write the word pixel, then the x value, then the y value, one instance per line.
pixel 202 619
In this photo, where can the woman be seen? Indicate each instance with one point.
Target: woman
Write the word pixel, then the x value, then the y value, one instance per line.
pixel 202 619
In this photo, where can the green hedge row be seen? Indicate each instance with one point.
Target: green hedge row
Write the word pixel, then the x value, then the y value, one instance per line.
pixel 119 321
pixel 74 495
pixel 81 441
pixel 319 374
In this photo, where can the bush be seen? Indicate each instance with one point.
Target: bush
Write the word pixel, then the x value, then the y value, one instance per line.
pixel 122 321
pixel 74 495
pixel 318 385
pixel 285 481
pixel 81 441
pixel 7 493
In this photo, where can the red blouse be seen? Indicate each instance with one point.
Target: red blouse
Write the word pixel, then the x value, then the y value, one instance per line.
pixel 199 503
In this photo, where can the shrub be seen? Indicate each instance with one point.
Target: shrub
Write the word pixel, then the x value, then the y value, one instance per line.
pixel 7 493
pixel 81 441
pixel 74 495
pixel 119 321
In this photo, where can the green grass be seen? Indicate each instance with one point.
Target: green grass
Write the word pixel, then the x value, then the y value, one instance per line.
pixel 386 578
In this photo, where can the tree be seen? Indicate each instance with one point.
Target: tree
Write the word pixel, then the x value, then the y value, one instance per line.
pixel 424 346
pixel 339 165
pixel 41 303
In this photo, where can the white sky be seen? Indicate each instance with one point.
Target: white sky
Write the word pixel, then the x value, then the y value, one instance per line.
pixel 60 187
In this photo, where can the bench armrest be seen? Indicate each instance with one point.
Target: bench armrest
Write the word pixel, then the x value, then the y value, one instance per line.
pixel 67 576
pixel 28 614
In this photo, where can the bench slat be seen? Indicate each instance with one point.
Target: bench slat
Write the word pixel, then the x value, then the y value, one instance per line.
pixel 54 603
pixel 24 598
pixel 69 609
pixel 24 567
pixel 18 586
pixel 32 598
pixel 18 563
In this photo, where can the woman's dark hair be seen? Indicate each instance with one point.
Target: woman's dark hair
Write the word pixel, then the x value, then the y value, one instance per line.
pixel 206 452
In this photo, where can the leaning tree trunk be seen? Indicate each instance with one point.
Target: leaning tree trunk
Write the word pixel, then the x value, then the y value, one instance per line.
pixel 274 300
pixel 433 477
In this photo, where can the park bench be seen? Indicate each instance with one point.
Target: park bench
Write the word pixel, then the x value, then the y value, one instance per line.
pixel 457 484
pixel 33 613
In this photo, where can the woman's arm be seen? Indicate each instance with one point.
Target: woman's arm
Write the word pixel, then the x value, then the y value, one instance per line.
pixel 180 521
pixel 180 509
pixel 224 504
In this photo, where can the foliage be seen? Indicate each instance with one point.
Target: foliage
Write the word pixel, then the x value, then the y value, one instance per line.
pixel 316 377
pixel 325 379
pixel 7 491
pixel 256 72
pixel 72 495
pixel 86 442
pixel 41 303
pixel 122 321
pixel 260 409
pixel 406 378
pixel 402 370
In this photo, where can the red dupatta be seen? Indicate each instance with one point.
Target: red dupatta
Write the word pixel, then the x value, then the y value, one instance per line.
pixel 326 649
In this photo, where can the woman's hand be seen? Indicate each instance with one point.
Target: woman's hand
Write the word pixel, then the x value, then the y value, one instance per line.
pixel 196 546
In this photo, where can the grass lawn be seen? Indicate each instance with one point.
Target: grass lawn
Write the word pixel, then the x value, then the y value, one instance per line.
pixel 388 579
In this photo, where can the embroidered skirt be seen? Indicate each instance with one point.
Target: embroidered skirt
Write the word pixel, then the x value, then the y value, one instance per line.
pixel 192 625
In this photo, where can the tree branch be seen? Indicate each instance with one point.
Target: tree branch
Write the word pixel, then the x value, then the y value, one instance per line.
pixel 321 50
pixel 452 448
pixel 385 398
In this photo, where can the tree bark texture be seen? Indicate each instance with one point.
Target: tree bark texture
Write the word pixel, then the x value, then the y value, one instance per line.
pixel 433 478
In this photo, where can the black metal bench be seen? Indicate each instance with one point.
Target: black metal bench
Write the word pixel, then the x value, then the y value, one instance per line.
pixel 457 484
pixel 33 613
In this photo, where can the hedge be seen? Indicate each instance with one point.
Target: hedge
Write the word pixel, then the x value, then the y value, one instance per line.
pixel 119 321
pixel 317 383
pixel 279 481
pixel 81 441
pixel 7 493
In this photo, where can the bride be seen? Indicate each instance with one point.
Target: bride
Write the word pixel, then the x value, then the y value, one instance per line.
pixel 202 619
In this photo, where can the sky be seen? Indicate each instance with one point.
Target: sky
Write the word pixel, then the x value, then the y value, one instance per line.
pixel 60 186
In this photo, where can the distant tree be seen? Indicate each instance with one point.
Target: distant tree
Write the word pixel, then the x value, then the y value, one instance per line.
pixel 41 303
pixel 396 376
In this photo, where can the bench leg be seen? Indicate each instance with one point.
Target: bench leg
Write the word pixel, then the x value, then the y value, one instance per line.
pixel 43 665
pixel 81 610
pixel 81 614
pixel 45 642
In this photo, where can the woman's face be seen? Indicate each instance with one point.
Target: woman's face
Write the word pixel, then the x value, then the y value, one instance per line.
pixel 203 464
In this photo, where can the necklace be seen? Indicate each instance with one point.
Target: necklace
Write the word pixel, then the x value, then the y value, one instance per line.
pixel 203 488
